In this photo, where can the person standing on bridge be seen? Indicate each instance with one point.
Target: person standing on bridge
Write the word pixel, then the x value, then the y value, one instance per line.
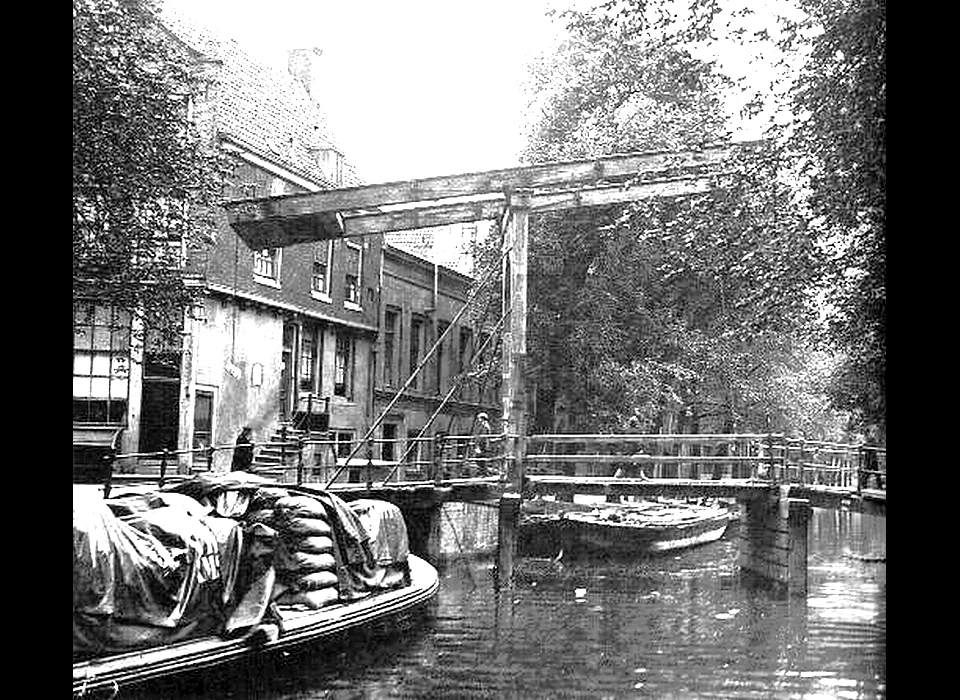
pixel 481 445
pixel 870 464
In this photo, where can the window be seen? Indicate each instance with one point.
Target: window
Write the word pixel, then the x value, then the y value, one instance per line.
pixel 266 265
pixel 388 448
pixel 331 163
pixel 343 366
pixel 101 364
pixel 464 357
pixel 309 354
pixel 466 340
pixel 353 280
pixel 320 279
pixel 416 338
pixel 439 355
pixel 163 350
pixel 391 318
pixel 343 440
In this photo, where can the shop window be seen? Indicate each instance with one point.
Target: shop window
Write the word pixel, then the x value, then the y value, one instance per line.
pixel 101 364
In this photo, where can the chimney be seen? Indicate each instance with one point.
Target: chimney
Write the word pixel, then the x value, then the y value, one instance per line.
pixel 303 65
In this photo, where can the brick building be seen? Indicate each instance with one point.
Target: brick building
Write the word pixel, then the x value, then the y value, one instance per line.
pixel 278 332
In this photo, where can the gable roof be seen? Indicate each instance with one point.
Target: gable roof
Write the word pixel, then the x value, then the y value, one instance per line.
pixel 262 108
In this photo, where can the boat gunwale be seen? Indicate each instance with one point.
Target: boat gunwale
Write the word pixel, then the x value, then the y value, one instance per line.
pixel 212 650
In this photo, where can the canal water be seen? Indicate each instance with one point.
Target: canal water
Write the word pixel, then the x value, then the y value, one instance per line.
pixel 676 626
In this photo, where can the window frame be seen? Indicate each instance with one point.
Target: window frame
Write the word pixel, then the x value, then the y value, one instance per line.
pixel 438 359
pixel 324 294
pixel 344 364
pixel 111 364
pixel 341 447
pixel 418 326
pixel 274 259
pixel 355 304
pixel 388 450
pixel 310 336
pixel 390 349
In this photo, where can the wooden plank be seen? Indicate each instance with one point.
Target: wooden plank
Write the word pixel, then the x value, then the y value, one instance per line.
pixel 652 459
pixel 591 197
pixel 693 439
pixel 440 215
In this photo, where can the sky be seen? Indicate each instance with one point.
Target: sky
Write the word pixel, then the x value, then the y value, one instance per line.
pixel 416 87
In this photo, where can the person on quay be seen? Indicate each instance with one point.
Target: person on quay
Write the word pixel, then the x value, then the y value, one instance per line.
pixel 243 452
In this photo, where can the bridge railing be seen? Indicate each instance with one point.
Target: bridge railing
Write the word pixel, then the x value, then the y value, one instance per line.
pixel 300 460
pixel 773 457
pixel 440 458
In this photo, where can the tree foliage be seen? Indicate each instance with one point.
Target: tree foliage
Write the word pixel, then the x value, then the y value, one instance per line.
pixel 701 305
pixel 144 180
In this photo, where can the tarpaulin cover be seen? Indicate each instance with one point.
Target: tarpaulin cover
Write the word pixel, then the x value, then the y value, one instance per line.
pixel 387 530
pixel 229 494
pixel 154 576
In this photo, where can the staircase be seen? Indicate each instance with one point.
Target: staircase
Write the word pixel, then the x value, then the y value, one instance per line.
pixel 280 462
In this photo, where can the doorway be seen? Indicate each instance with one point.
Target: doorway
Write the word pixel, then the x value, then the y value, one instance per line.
pixel 288 372
pixel 203 427
pixel 159 414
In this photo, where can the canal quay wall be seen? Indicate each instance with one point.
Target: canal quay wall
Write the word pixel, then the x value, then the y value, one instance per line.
pixel 454 530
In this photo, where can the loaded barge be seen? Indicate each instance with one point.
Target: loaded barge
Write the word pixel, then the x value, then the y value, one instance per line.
pixel 226 566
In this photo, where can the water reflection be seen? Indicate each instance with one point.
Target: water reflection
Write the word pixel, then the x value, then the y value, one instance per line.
pixel 673 627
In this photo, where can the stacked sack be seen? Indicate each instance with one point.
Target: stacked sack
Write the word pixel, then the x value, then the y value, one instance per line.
pixel 304 559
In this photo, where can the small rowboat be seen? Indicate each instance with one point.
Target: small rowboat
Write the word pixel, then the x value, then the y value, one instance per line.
pixel 645 527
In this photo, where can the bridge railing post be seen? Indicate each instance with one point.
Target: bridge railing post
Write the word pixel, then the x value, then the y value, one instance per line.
pixel 438 458
pixel 164 458
pixel 299 461
pixel 861 467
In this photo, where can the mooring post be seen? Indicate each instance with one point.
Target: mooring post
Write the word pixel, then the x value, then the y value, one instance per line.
pixel 507 537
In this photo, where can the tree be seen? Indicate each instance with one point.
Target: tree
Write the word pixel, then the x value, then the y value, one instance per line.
pixel 697 305
pixel 841 95
pixel 827 131
pixel 144 180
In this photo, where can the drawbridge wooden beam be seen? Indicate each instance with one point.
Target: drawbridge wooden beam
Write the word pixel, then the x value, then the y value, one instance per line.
pixel 357 211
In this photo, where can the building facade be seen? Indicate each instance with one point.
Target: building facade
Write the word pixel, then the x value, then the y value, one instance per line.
pixel 420 302
pixel 329 327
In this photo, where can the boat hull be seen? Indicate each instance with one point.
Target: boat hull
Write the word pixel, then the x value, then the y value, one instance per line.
pixel 295 628
pixel 579 532
pixel 578 535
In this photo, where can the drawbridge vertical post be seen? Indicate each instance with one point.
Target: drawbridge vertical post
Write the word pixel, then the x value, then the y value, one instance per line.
pixel 513 389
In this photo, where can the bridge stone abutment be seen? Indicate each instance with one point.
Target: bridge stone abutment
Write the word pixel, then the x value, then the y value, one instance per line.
pixel 773 539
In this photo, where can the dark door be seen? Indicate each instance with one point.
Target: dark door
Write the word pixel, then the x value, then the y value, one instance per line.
pixel 159 414
pixel 288 372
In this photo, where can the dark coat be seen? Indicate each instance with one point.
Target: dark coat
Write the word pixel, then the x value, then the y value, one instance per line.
pixel 242 454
